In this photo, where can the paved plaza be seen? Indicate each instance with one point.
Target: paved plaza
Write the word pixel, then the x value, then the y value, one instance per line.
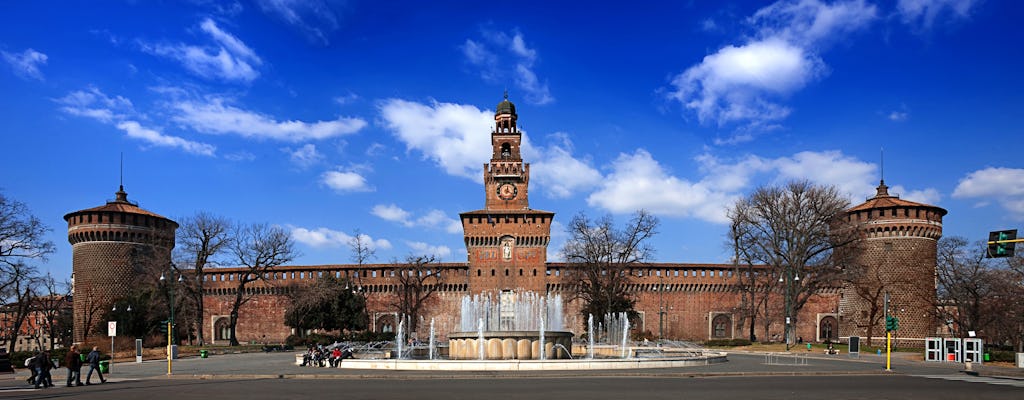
pixel 275 375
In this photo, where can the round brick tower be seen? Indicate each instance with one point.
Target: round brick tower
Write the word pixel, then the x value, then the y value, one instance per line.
pixel 110 245
pixel 898 256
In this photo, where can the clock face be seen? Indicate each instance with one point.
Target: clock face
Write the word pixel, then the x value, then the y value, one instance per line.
pixel 507 191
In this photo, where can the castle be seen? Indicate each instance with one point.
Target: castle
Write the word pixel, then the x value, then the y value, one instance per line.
pixel 506 246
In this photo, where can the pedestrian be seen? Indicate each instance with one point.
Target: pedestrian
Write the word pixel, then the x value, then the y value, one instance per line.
pixel 30 364
pixel 94 365
pixel 43 364
pixel 73 361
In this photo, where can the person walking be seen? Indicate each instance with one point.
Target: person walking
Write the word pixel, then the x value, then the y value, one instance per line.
pixel 94 365
pixel 43 364
pixel 73 361
pixel 30 363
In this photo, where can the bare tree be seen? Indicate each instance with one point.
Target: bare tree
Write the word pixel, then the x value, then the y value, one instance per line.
pixel 418 279
pixel 362 248
pixel 201 239
pixel 599 258
pixel 259 248
pixel 22 238
pixel 965 279
pixel 869 285
pixel 52 301
pixel 329 304
pixel 19 294
pixel 795 231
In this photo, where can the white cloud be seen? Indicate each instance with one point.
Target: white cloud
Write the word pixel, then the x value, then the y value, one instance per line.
pixel 455 136
pixel 440 251
pixel 328 238
pixel 898 116
pixel 438 219
pixel 739 84
pixel 393 213
pixel 305 156
pixel 93 103
pixel 346 99
pixel 922 14
pixel 746 84
pixel 926 196
pixel 1002 185
pixel 514 48
pixel 433 219
pixel 226 58
pixel 812 22
pixel 345 181
pixel 315 19
pixel 118 111
pixel 558 172
pixel 637 181
pixel 214 115
pixel 134 130
pixel 852 176
pixel 26 64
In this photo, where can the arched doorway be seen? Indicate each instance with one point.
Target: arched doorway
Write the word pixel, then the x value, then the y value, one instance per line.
pixel 828 329
pixel 721 327
pixel 222 329
pixel 386 323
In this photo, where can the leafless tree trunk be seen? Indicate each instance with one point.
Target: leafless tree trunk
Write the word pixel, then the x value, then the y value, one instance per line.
pixel 795 231
pixel 600 258
pixel 259 248
pixel 201 238
pixel 418 279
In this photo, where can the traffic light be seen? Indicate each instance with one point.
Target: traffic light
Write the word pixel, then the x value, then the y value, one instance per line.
pixel 892 323
pixel 997 243
pixel 163 326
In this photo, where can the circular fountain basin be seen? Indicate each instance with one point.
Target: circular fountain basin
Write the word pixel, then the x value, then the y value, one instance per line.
pixel 509 345
pixel 704 358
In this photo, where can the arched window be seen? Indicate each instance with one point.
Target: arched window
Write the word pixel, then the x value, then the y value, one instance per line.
pixel 828 329
pixel 506 150
pixel 721 326
pixel 222 329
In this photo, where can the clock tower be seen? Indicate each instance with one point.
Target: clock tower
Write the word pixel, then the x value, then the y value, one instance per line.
pixel 506 242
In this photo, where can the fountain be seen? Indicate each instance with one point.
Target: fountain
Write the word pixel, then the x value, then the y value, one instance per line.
pixel 520 326
pixel 525 331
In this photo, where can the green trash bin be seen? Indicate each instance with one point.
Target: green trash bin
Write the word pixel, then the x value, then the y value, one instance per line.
pixel 988 357
pixel 105 366
pixel 204 354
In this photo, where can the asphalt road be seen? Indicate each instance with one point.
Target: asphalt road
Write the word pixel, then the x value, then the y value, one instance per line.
pixel 274 376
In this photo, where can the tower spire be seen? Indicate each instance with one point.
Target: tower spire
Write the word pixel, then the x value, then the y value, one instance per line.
pixel 121 196
pixel 881 165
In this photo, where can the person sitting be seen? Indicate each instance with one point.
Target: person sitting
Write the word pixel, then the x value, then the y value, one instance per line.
pixel 335 357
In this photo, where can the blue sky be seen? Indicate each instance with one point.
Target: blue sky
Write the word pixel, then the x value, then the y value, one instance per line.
pixel 327 117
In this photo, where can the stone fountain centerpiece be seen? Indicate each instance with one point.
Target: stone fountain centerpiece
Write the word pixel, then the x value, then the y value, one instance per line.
pixel 518 326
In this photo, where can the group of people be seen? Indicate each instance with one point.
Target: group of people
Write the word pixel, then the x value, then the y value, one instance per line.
pixel 317 355
pixel 41 364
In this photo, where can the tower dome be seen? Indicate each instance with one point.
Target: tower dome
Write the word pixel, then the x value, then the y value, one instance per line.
pixel 110 245
pixel 505 107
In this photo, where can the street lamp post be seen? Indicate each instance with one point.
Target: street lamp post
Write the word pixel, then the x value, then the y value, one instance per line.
pixel 789 278
pixel 170 321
